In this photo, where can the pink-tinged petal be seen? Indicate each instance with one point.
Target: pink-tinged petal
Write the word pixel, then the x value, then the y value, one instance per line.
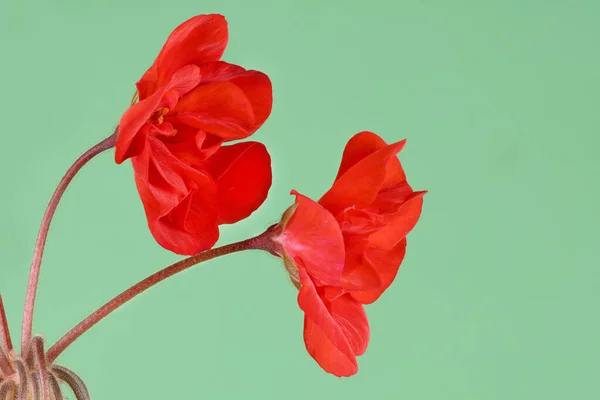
pixel 400 224
pixel 312 238
pixel 359 185
pixel 129 143
pixel 200 39
pixel 243 175
pixel 219 108
pixel 387 263
pixel 335 332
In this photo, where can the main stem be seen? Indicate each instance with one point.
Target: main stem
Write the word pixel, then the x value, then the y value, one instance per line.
pixel 36 263
pixel 260 242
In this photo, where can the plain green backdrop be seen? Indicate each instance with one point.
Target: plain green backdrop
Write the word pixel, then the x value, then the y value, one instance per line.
pixel 498 295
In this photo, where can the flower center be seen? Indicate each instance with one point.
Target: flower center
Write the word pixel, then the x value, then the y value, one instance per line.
pixel 159 114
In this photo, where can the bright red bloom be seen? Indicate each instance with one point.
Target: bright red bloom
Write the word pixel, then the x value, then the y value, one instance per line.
pixel 190 103
pixel 345 250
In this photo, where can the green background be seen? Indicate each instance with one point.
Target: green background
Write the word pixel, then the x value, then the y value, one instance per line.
pixel 498 295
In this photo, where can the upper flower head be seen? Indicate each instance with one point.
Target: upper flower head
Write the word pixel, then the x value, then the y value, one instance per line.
pixel 190 103
pixel 345 250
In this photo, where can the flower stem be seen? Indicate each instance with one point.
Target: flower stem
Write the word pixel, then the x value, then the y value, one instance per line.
pixel 5 343
pixel 4 332
pixel 43 233
pixel 260 242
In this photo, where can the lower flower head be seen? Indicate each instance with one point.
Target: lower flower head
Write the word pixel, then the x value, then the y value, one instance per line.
pixel 345 250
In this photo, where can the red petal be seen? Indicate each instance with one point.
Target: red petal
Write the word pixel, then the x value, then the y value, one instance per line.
pixel 387 263
pixel 230 101
pixel 400 224
pixel 255 84
pixel 220 108
pixel 363 144
pixel 243 175
pixel 312 238
pixel 189 228
pixel 358 147
pixel 137 115
pixel 130 125
pixel 198 40
pixel 359 275
pixel 192 146
pixel 179 201
pixel 335 332
pixel 359 184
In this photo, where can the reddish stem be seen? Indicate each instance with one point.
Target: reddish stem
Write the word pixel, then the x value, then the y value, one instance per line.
pixel 34 273
pixel 5 343
pixel 4 332
pixel 260 242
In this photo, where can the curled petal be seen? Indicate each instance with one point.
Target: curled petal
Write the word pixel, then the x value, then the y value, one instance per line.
pixel 360 183
pixel 256 85
pixel 386 263
pixel 220 108
pixel 129 143
pixel 243 175
pixel 358 274
pixel 335 331
pixel 179 201
pixel 192 146
pixel 189 228
pixel 399 224
pixel 358 147
pixel 362 145
pixel 313 240
pixel 230 102
pixel 198 40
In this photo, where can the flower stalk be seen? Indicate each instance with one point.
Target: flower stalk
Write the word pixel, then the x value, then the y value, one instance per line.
pixel 36 262
pixel 260 242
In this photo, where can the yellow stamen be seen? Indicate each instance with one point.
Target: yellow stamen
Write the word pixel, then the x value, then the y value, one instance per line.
pixel 161 114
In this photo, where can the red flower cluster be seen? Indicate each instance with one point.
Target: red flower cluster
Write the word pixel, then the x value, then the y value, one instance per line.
pixel 190 103
pixel 341 252
pixel 345 250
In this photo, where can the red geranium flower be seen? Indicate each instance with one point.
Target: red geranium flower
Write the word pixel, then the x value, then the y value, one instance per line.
pixel 190 103
pixel 345 250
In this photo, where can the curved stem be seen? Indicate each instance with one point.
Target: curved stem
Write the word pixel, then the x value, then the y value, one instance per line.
pixel 34 272
pixel 260 242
